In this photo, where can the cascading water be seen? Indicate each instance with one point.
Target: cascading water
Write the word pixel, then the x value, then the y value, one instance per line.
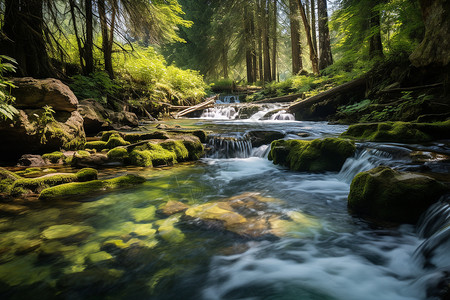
pixel 220 112
pixel 244 112
pixel 228 147
pixel 282 115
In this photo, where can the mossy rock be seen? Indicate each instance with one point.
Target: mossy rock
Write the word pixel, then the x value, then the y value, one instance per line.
pixel 107 134
pixel 201 134
pixel 35 184
pixel 389 195
pixel 117 154
pixel 76 189
pixel 54 157
pixel 116 141
pixel 195 149
pixel 403 132
pixel 97 145
pixel 65 231
pixel 155 135
pixel 314 156
pixel 152 155
pixel 178 148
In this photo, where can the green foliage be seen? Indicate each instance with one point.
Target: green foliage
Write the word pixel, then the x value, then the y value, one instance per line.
pixel 356 107
pixel 146 75
pixel 7 110
pixel 96 86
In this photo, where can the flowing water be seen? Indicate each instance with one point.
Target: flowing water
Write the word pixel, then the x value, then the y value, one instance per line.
pixel 120 246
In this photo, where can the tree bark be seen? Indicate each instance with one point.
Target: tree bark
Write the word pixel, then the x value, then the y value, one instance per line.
pixel 313 24
pixel 435 46
pixel 89 43
pixel 266 50
pixel 274 40
pixel 106 44
pixel 248 45
pixel 23 38
pixel 325 56
pixel 375 46
pixel 296 50
pixel 312 50
pixel 260 39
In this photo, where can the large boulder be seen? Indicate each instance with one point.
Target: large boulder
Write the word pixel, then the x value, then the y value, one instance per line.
pixel 37 130
pixel 318 155
pixel 35 93
pixel 390 195
pixel 29 134
pixel 95 116
pixel 264 137
pixel 98 118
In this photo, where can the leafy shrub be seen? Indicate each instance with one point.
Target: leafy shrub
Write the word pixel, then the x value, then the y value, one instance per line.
pixel 7 110
pixel 96 86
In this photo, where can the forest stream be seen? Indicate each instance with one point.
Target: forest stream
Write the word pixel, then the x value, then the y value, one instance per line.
pixel 120 245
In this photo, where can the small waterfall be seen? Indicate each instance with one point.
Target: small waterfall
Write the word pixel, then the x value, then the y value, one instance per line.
pixel 261 151
pixel 228 147
pixel 220 112
pixel 434 226
pixel 363 160
pixel 282 115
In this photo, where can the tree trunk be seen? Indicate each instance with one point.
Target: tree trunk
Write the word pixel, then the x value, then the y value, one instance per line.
pixel 325 57
pixel 89 43
pixel 225 61
pixel 23 38
pixel 254 56
pixel 296 50
pixel 375 46
pixel 77 36
pixel 434 50
pixel 313 24
pixel 266 50
pixel 248 45
pixel 274 40
pixel 107 50
pixel 312 50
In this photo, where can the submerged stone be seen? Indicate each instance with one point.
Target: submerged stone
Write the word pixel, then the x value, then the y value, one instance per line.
pixel 168 231
pixel 173 207
pixel 65 231
pixel 319 155
pixel 216 211
pixel 390 195
pixel 143 214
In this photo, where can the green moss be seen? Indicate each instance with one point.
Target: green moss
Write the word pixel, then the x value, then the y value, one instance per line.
pixel 75 144
pixel 82 154
pixel 107 134
pixel 201 134
pixel 195 149
pixel 155 135
pixel 395 196
pixel 315 156
pixel 118 153
pixel 87 174
pixel 141 158
pixel 74 189
pixel 54 157
pixel 34 184
pixel 177 147
pixel 5 174
pixel 97 145
pixel 152 155
pixel 116 141
pixel 406 132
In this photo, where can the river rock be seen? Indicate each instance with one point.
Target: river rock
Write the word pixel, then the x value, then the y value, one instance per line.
pixel 264 137
pixel 35 93
pixel 390 195
pixel 173 207
pixel 98 118
pixel 319 155
pixel 31 160
pixel 65 231
pixel 27 134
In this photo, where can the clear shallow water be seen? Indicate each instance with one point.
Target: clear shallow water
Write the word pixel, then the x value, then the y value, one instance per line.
pixel 126 249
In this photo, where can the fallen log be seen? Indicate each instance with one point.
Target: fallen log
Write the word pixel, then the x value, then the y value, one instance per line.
pixel 287 98
pixel 202 105
pixel 412 88
pixel 302 109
